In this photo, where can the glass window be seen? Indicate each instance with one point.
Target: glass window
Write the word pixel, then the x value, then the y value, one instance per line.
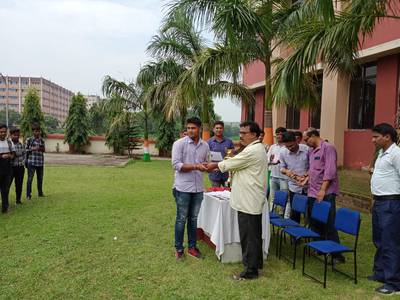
pixel 250 113
pixel 362 98
pixel 315 111
pixel 292 117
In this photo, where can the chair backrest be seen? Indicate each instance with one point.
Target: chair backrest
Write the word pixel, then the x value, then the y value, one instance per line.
pixel 280 198
pixel 299 203
pixel 348 221
pixel 320 211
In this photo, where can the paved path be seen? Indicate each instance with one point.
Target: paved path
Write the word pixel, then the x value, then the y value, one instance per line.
pixel 87 159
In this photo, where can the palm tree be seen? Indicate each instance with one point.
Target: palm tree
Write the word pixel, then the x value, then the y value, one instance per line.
pixel 124 100
pixel 245 31
pixel 321 32
pixel 172 80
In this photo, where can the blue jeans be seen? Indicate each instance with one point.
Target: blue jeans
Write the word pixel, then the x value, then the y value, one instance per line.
pixel 187 209
pixel 386 238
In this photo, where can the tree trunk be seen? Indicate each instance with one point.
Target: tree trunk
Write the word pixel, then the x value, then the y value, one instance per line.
pixel 146 150
pixel 206 119
pixel 269 135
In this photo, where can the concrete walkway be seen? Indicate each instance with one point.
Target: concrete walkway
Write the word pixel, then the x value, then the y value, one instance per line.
pixel 86 159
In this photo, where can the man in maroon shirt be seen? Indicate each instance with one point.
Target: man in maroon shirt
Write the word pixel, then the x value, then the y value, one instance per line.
pixel 323 182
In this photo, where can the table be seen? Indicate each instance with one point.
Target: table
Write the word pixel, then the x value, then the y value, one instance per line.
pixel 220 223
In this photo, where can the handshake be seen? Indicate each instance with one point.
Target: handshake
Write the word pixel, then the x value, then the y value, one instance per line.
pixel 206 167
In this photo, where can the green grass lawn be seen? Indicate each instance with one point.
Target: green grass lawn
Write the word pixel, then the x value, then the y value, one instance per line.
pixel 63 247
pixel 355 181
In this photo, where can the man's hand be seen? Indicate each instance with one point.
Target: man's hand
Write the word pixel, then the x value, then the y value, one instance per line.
pixel 212 166
pixel 320 195
pixel 201 167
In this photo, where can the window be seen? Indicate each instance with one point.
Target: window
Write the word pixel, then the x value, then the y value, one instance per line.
pixel 315 111
pixel 250 113
pixel 362 98
pixel 292 117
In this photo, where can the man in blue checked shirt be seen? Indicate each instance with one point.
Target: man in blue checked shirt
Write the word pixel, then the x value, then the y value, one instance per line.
pixel 35 148
pixel 218 143
pixel 18 170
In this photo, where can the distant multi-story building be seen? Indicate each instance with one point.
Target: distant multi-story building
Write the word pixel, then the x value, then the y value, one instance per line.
pixel 91 100
pixel 54 99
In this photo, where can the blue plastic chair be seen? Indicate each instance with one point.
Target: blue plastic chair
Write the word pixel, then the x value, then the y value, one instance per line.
pixel 299 205
pixel 280 200
pixel 347 221
pixel 320 212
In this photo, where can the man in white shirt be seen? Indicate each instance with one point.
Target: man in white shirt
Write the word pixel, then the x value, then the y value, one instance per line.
pixel 385 188
pixel 248 195
pixel 277 181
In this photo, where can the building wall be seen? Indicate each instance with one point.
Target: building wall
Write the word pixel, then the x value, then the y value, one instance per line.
pixel 355 148
pixel 54 99
pixel 97 145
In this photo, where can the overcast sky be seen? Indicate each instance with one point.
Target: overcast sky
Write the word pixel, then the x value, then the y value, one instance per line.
pixel 75 43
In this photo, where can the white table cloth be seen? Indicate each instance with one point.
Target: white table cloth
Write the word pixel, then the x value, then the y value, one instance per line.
pixel 220 222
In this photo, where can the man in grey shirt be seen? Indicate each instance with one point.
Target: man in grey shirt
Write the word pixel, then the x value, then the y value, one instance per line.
pixel 294 164
pixel 188 155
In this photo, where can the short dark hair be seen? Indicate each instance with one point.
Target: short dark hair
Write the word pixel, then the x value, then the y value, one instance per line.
pixel 312 131
pixel 288 137
pixel 35 126
pixel 14 130
pixel 219 123
pixel 386 129
pixel 298 134
pixel 280 130
pixel 253 126
pixel 3 126
pixel 194 120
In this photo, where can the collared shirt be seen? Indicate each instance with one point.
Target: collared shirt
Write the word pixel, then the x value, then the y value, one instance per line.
pixel 275 169
pixel 221 147
pixel 19 157
pixel 34 158
pixel 323 166
pixel 185 151
pixel 296 162
pixel 386 176
pixel 6 146
pixel 248 179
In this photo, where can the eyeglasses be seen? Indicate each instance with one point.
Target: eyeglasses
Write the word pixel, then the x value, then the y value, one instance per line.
pixel 244 132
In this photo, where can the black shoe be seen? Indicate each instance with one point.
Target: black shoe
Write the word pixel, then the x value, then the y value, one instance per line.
pixel 339 260
pixel 4 211
pixel 374 278
pixel 42 195
pixel 18 202
pixel 387 290
pixel 245 276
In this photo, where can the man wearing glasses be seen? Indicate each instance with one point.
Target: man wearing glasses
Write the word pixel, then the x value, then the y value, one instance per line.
pixel 248 195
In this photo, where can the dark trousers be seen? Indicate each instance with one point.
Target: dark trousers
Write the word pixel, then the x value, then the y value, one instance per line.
pixel 330 232
pixel 294 215
pixel 18 176
pixel 250 231
pixel 4 188
pixel 39 179
pixel 386 238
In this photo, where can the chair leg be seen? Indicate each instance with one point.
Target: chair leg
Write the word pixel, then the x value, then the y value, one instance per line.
pixel 295 254
pixel 333 267
pixel 355 267
pixel 304 260
pixel 325 269
pixel 277 242
pixel 280 244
